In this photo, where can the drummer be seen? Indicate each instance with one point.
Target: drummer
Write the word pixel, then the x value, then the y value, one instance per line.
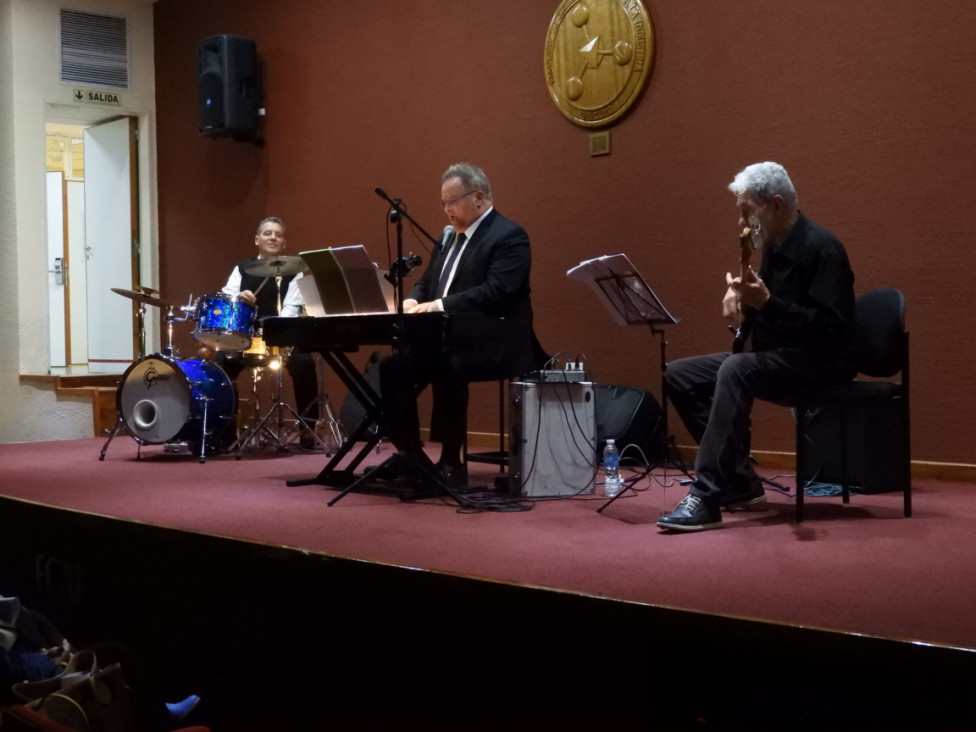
pixel 262 292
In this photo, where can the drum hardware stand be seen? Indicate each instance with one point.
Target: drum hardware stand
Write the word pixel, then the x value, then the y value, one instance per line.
pixel 170 319
pixel 115 430
pixel 141 313
pixel 280 406
pixel 111 436
pixel 327 419
pixel 277 410
pixel 256 373
pixel 249 432
pixel 203 427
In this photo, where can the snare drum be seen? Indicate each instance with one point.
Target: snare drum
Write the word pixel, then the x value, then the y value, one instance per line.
pixel 162 399
pixel 224 323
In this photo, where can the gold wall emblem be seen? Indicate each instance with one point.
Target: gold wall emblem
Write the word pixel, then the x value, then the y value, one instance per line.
pixel 598 56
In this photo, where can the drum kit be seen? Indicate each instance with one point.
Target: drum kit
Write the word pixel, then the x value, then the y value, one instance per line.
pixel 164 399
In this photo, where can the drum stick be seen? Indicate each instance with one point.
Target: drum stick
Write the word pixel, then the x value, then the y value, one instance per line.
pixel 263 283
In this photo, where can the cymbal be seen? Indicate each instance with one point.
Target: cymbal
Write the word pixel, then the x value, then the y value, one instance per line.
pixel 284 265
pixel 140 297
pixel 145 290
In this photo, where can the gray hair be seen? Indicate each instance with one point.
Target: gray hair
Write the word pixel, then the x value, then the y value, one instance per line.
pixel 471 176
pixel 765 180
pixel 270 220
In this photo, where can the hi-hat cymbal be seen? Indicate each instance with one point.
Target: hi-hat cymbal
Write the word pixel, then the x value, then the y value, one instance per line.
pixel 284 265
pixel 140 297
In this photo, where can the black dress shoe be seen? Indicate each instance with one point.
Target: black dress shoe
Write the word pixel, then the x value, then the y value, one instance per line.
pixel 692 513
pixel 452 475
pixel 749 497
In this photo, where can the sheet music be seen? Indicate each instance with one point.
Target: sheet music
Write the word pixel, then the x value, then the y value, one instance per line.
pixel 346 282
pixel 622 290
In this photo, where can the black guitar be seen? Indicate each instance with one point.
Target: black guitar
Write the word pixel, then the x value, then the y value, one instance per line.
pixel 750 240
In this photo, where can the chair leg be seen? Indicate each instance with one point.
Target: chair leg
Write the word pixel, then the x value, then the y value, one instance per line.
pixel 801 437
pixel 502 453
pixel 845 487
pixel 907 460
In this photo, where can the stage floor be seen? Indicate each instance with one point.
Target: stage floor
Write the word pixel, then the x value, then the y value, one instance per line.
pixel 859 569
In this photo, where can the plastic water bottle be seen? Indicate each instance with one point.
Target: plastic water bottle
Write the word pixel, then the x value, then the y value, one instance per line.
pixel 611 469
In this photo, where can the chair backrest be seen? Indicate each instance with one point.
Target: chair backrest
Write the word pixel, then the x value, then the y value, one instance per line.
pixel 880 345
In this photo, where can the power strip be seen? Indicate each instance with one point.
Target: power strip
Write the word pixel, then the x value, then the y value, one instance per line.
pixel 556 376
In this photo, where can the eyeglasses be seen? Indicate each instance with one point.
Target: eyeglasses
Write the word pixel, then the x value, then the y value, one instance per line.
pixel 445 204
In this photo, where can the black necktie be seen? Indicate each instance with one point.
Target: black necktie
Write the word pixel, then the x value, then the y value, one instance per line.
pixel 446 272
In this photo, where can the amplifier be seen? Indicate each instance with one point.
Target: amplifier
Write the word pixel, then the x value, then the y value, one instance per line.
pixel 552 440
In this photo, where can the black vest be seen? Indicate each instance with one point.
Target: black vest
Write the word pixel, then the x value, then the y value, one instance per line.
pixel 267 299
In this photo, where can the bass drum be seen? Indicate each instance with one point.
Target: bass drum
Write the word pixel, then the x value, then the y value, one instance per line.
pixel 163 399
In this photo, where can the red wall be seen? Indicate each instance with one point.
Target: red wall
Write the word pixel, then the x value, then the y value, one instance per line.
pixel 869 105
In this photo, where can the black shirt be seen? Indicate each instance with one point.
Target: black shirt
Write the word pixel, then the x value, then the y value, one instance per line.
pixel 811 287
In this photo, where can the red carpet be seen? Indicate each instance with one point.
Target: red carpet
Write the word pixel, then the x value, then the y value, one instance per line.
pixel 860 568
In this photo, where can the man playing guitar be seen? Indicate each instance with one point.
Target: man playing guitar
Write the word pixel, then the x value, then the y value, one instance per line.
pixel 794 320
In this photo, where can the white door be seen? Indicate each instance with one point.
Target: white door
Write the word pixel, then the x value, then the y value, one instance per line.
pixel 111 245
pixel 77 273
pixel 55 269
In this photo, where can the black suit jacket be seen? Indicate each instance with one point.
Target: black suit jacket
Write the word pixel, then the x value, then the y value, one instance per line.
pixel 492 278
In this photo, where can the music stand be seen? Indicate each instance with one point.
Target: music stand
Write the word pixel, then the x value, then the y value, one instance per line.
pixel 631 301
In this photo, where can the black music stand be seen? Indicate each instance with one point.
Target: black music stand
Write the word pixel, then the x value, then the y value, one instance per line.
pixel 631 301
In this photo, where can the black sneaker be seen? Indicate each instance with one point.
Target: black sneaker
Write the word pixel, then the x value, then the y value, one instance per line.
pixel 691 514
pixel 749 497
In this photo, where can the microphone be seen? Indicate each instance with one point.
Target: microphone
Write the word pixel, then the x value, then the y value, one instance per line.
pixel 412 260
pixel 446 236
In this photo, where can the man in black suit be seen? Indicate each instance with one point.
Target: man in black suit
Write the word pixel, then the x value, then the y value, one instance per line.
pixel 482 268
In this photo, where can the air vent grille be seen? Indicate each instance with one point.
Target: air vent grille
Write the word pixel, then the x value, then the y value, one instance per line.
pixel 94 49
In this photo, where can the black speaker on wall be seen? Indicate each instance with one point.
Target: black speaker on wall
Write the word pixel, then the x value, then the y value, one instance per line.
pixel 629 416
pixel 228 88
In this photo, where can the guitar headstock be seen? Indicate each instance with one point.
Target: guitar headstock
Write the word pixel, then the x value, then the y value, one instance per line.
pixel 750 240
pixel 751 236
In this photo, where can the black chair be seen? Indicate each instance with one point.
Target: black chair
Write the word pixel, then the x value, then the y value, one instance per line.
pixel 882 352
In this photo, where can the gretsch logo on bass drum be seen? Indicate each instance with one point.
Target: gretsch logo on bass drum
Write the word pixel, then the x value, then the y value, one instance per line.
pixel 152 376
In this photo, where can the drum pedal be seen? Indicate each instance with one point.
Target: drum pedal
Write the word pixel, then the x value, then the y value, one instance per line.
pixel 177 448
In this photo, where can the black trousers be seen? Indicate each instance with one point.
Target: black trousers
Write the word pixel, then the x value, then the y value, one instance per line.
pixel 714 395
pixel 406 373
